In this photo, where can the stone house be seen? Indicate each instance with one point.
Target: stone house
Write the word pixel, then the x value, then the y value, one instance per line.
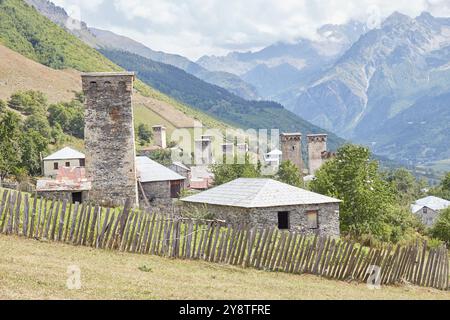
pixel 429 208
pixel 266 203
pixel 157 183
pixel 70 183
pixel 183 170
pixel 64 158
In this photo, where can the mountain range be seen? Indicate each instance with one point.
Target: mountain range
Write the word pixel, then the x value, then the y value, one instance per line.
pixel 366 85
pixel 165 94
pixel 104 39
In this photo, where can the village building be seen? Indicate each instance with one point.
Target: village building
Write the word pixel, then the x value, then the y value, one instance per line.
pixel 201 178
pixel 429 208
pixel 157 183
pixel 182 170
pixel 266 203
pixel 70 184
pixel 273 158
pixel 64 158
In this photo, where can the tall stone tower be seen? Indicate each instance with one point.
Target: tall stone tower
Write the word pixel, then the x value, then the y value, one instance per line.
pixel 291 146
pixel 109 137
pixel 159 136
pixel 203 151
pixel 317 144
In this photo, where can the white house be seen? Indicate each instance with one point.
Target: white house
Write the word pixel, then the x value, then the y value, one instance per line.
pixel 428 209
pixel 64 158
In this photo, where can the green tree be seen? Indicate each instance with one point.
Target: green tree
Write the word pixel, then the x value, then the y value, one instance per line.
pixel 368 206
pixel 405 185
pixel 32 144
pixel 445 184
pixel 289 173
pixel 144 133
pixel 2 106
pixel 443 189
pixel 441 229
pixel 38 123
pixel 28 102
pixel 224 173
pixel 10 151
pixel 70 117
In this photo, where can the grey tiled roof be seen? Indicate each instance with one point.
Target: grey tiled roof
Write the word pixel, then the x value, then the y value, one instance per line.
pixel 65 154
pixel 431 202
pixel 258 193
pixel 151 171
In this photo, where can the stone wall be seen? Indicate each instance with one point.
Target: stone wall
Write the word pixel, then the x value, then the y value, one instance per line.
pixel 109 137
pixel 62 195
pixel 429 217
pixel 291 146
pixel 317 144
pixel 268 217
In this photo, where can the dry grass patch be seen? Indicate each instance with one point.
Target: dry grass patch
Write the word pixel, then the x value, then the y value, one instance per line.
pixel 31 269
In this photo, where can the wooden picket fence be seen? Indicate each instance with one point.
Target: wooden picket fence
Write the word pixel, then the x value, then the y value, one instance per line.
pixel 268 249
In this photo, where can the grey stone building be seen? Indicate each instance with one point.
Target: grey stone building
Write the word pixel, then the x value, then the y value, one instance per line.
pixel 291 147
pixel 317 145
pixel 266 203
pixel 429 208
pixel 109 137
pixel 158 184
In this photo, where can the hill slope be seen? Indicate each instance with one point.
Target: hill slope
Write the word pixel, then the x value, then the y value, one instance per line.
pixel 98 39
pixel 27 32
pixel 214 100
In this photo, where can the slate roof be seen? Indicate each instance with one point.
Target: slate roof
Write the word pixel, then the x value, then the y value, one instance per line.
pixel 431 202
pixel 258 193
pixel 65 154
pixel 151 171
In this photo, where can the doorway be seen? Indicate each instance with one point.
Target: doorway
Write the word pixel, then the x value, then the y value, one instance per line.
pixel 77 197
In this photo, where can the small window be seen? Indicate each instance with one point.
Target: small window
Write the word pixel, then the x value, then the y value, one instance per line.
pixel 313 219
pixel 82 162
pixel 293 148
pixel 67 164
pixel 55 166
pixel 425 210
pixel 283 220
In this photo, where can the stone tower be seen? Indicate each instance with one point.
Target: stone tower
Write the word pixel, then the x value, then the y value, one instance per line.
pixel 317 144
pixel 291 146
pixel 203 152
pixel 159 136
pixel 109 137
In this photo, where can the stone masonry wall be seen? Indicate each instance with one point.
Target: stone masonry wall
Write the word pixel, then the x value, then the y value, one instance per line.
pixel 291 146
pixel 109 137
pixel 268 217
pixel 316 145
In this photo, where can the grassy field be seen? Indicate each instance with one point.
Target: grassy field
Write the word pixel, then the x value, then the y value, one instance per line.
pixel 31 269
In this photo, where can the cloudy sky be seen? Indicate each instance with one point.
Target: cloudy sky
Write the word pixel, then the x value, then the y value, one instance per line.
pixel 196 27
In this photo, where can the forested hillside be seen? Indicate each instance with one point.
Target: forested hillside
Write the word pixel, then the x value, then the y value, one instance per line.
pixel 214 100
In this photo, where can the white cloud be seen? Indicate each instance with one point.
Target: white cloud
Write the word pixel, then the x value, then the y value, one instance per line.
pixel 197 27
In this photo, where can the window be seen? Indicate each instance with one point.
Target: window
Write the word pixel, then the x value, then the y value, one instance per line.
pixel 313 219
pixel 425 210
pixel 55 166
pixel 67 164
pixel 82 162
pixel 283 220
